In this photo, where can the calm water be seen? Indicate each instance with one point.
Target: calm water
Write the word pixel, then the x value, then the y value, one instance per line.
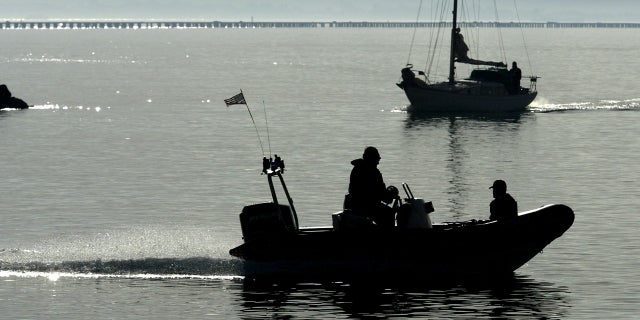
pixel 121 188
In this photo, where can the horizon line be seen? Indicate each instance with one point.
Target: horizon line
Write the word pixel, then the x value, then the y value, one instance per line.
pixel 45 20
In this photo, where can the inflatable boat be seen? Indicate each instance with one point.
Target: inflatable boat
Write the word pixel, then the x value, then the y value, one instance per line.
pixel 275 246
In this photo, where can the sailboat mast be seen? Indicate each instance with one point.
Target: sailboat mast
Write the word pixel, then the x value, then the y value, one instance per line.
pixel 454 25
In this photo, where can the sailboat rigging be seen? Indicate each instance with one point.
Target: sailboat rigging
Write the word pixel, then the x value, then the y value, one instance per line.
pixel 492 88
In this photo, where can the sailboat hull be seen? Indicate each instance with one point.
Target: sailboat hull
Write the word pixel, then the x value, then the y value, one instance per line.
pixel 456 98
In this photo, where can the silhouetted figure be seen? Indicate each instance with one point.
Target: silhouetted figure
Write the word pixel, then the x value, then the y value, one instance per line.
pixel 503 206
pixel 460 52
pixel 459 46
pixel 7 101
pixel 367 190
pixel 516 75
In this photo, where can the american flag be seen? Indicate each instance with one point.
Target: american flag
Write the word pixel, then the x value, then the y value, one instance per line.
pixel 237 99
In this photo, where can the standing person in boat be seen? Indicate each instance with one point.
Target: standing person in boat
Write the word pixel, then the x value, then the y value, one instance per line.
pixel 503 206
pixel 516 75
pixel 367 190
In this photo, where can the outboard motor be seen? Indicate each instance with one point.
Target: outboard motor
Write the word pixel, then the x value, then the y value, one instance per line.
pixel 267 220
pixel 414 213
pixel 418 217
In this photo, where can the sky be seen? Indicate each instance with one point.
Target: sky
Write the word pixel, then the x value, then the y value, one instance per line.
pixel 312 10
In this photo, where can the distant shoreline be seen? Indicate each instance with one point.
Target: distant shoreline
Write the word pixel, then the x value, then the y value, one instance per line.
pixel 157 24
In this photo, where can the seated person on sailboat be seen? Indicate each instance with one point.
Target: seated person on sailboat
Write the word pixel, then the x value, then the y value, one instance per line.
pixel 460 52
pixel 460 47
pixel 503 206
pixel 367 190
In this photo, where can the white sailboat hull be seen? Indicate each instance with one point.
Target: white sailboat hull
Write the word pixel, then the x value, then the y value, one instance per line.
pixel 446 98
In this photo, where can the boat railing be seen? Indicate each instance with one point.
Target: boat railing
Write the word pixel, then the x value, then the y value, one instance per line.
pixel 533 82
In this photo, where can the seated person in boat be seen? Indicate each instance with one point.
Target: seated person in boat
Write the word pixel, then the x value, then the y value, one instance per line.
pixel 460 47
pixel 460 52
pixel 503 206
pixel 367 190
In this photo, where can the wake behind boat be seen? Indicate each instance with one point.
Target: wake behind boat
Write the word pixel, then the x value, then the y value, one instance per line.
pixel 275 246
pixel 493 89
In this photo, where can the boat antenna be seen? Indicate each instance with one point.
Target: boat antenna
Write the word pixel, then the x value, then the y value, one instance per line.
pixel 239 99
pixel 266 123
pixel 415 28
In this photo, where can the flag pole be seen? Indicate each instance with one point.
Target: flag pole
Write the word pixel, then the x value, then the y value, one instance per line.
pixel 264 107
pixel 254 123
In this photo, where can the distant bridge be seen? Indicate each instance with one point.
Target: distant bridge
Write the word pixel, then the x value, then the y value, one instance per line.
pixel 109 24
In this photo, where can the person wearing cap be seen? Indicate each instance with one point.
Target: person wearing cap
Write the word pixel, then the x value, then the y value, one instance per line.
pixel 503 205
pixel 367 190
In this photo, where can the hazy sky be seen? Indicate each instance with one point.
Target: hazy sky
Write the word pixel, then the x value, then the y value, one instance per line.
pixel 324 10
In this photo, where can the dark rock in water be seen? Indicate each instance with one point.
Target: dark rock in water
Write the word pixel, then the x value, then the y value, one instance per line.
pixel 9 102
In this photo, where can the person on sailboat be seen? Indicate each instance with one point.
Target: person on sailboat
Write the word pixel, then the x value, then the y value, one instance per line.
pixel 460 47
pixel 367 190
pixel 503 206
pixel 460 52
pixel 516 75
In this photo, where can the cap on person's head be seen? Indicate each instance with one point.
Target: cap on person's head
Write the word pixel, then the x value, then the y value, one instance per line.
pixel 499 185
pixel 371 153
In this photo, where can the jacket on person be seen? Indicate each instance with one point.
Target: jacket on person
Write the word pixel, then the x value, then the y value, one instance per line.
pixel 366 187
pixel 503 207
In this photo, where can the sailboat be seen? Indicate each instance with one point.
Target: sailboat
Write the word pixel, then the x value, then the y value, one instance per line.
pixel 490 89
